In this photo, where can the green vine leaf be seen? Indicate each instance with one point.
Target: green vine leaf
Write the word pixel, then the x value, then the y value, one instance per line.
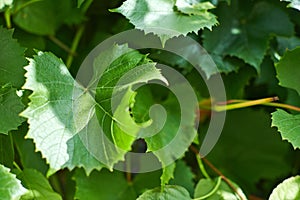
pixel 7 153
pixel 288 189
pixel 50 113
pixel 246 34
pixel 4 3
pixel 12 60
pixel 37 185
pixel 288 125
pixel 173 192
pixel 168 174
pixel 216 189
pixel 10 107
pixel 11 187
pixel 160 17
pixel 288 71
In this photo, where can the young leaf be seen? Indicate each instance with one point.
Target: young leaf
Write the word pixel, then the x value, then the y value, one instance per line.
pixel 10 186
pixel 160 17
pixel 246 34
pixel 288 125
pixel 288 189
pixel 12 60
pixel 10 108
pixel 216 189
pixel 168 174
pixel 37 185
pixel 173 192
pixel 288 71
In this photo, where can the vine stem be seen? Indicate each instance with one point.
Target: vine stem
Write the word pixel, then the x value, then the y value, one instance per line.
pixel 74 46
pixel 7 16
pixel 202 168
pixel 61 44
pixel 226 180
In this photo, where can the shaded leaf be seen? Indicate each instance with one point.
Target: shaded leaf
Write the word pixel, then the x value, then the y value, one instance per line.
pixel 10 108
pixel 6 151
pixel 12 60
pixel 246 33
pixel 288 126
pixel 37 185
pixel 288 70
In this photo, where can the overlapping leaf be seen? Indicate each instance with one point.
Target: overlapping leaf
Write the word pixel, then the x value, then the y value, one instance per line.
pixel 37 185
pixel 12 60
pixel 161 18
pixel 294 4
pixel 11 187
pixel 169 192
pixel 288 125
pixel 288 70
pixel 10 107
pixel 245 34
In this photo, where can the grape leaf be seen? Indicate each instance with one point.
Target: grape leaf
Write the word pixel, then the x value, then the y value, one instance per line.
pixel 37 185
pixel 288 70
pixel 50 112
pixel 79 2
pixel 160 18
pixel 42 17
pixel 293 4
pixel 205 187
pixel 6 151
pixel 173 192
pixel 10 107
pixel 29 158
pixel 183 176
pixel 192 7
pixel 288 125
pixel 244 163
pixel 10 186
pixel 168 174
pixel 288 189
pixel 12 60
pixel 103 185
pixel 246 34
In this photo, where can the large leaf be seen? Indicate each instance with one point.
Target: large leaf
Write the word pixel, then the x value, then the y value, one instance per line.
pixel 60 109
pixel 43 17
pixel 12 60
pixel 173 192
pixel 254 149
pixel 10 108
pixel 50 112
pixel 10 186
pixel 288 189
pixel 217 189
pixel 288 125
pixel 288 70
pixel 161 18
pixel 37 185
pixel 245 34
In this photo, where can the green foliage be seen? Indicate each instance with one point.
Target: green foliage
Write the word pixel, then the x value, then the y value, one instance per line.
pixel 66 138
pixel 288 189
pixel 162 18
pixel 11 187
